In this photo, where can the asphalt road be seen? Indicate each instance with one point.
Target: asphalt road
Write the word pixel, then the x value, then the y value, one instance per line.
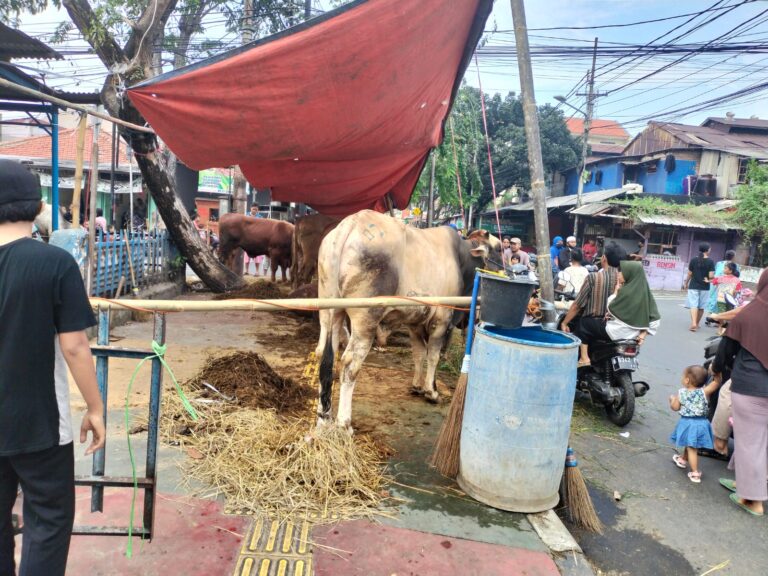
pixel 663 524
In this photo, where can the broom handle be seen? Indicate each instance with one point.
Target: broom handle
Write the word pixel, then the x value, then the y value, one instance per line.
pixel 470 335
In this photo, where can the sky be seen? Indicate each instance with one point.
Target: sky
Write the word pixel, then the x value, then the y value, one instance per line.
pixel 700 78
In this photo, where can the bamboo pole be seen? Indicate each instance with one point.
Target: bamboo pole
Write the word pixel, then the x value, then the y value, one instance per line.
pixel 64 104
pixel 280 305
pixel 79 147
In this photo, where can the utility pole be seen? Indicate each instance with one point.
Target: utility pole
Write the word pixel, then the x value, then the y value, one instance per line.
pixel 431 200
pixel 307 9
pixel 587 126
pixel 535 162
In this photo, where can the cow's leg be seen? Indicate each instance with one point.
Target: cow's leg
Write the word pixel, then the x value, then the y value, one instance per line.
pixel 419 352
pixel 273 263
pixel 435 343
pixel 325 381
pixel 364 324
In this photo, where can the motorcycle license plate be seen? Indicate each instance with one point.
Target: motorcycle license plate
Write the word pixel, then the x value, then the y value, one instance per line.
pixel 622 363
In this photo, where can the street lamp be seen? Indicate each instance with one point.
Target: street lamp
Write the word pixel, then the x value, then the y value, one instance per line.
pixel 587 125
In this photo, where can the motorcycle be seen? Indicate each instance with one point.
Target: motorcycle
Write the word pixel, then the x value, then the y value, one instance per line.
pixel 609 378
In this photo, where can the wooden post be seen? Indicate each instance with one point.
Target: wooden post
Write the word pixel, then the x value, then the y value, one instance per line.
pixel 79 146
pixel 93 193
pixel 431 201
pixel 535 162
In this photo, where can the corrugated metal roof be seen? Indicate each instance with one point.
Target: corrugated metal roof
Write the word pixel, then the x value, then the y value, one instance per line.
pixel 591 209
pixel 682 222
pixel 15 44
pixel 570 200
pixel 753 145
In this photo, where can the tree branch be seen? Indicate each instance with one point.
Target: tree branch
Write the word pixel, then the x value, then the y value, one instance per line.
pixel 83 16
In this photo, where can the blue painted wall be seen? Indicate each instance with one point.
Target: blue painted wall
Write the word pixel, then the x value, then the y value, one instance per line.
pixel 683 168
pixel 658 182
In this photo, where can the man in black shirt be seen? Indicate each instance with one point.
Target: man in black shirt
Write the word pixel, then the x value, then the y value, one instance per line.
pixel 44 312
pixel 700 271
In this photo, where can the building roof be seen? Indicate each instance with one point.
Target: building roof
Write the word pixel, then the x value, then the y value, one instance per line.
pixel 606 149
pixel 737 122
pixel 15 44
pixel 17 76
pixel 704 137
pixel 600 127
pixel 663 220
pixel 571 200
pixel 39 147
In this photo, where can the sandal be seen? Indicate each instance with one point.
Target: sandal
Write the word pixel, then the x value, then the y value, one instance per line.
pixel 679 461
pixel 735 499
pixel 728 484
pixel 694 477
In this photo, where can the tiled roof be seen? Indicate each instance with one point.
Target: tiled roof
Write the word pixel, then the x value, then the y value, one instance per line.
pixel 40 147
pixel 599 127
pixel 614 149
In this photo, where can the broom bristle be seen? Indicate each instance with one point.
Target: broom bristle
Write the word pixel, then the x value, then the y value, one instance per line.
pixel 576 498
pixel 445 456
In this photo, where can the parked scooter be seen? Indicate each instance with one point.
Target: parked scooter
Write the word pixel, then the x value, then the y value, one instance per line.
pixel 609 378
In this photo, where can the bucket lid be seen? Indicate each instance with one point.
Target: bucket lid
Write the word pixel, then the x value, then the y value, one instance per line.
pixel 513 279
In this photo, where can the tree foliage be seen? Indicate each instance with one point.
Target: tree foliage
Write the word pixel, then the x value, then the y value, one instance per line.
pixel 752 209
pixel 509 151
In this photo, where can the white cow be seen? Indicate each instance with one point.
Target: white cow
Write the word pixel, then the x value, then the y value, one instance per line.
pixel 369 254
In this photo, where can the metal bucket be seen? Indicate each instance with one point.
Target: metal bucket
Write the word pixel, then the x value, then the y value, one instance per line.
pixel 517 416
pixel 503 301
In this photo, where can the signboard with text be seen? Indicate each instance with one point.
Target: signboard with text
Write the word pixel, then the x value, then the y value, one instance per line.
pixel 665 272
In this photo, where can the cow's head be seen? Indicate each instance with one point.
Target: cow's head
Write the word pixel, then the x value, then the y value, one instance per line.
pixel 486 248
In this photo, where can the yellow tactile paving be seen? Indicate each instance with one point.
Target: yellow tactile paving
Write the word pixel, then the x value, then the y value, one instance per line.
pixel 274 548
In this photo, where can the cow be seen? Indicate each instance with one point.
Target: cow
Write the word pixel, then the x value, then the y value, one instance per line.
pixel 307 236
pixel 43 221
pixel 369 254
pixel 257 237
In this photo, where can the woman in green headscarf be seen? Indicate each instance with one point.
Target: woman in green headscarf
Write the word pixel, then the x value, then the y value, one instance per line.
pixel 632 310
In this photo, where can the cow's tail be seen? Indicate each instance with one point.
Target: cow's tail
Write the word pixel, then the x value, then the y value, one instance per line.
pixel 326 379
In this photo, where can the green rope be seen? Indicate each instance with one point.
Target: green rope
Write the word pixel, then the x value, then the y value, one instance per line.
pixel 159 353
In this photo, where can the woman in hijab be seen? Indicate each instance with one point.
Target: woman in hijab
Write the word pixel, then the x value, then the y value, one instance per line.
pixel 745 348
pixel 554 250
pixel 632 311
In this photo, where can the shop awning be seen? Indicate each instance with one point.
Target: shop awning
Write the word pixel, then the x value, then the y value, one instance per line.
pixel 336 113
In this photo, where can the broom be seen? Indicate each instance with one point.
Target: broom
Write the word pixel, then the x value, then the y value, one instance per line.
pixel 575 497
pixel 445 456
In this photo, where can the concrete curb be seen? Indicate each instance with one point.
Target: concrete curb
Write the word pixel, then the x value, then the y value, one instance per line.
pixel 565 550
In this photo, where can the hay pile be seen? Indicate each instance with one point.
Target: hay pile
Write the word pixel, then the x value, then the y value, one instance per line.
pixel 260 461
pixel 248 378
pixel 258 290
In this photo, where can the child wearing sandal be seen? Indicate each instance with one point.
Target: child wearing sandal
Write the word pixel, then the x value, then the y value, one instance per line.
pixel 693 431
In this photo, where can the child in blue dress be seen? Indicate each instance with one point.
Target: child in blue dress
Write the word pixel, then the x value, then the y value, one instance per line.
pixel 693 431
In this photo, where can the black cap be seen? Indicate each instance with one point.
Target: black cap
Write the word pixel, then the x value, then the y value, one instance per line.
pixel 17 183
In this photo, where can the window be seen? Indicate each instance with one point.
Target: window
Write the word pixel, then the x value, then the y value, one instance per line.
pixel 651 168
pixel 743 165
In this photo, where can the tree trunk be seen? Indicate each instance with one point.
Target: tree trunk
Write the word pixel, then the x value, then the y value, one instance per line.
pixel 135 64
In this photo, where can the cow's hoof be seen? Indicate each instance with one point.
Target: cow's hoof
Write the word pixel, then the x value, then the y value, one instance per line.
pixel 432 396
pixel 416 391
pixel 346 425
pixel 379 349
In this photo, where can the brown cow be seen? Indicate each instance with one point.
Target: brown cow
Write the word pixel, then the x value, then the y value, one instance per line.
pixel 257 237
pixel 307 236
pixel 370 254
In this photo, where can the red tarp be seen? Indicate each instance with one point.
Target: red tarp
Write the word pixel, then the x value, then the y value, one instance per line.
pixel 335 113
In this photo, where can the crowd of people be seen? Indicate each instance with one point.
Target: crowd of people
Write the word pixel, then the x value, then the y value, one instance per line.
pixel 616 303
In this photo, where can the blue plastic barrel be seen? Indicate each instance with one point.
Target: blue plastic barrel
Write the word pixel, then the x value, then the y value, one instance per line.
pixel 517 416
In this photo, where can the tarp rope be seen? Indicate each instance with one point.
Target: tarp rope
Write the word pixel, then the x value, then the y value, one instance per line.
pixel 458 175
pixel 159 353
pixel 488 147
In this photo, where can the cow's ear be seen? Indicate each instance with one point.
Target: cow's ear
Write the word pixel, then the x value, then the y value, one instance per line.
pixel 480 251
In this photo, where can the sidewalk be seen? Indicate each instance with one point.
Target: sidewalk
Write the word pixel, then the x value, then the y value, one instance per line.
pixel 436 530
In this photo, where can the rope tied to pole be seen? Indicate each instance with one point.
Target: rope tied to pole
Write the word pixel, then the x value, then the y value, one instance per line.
pixel 488 147
pixel 159 353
